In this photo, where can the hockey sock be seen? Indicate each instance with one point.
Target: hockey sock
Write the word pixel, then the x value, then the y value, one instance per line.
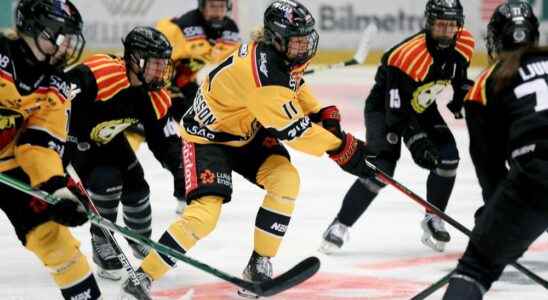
pixel 357 200
pixel 438 189
pixel 281 181
pixel 196 222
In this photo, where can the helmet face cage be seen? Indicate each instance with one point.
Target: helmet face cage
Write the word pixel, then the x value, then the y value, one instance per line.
pixel 58 23
pixel 286 19
pixel 147 53
pixel 444 10
pixel 513 25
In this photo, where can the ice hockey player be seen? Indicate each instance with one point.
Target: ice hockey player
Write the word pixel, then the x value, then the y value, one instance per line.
pixel 200 37
pixel 246 107
pixel 402 105
pixel 35 100
pixel 507 118
pixel 117 92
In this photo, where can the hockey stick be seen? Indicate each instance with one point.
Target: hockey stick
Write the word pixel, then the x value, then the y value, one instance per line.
pixel 385 178
pixel 294 276
pixel 119 253
pixel 433 287
pixel 359 56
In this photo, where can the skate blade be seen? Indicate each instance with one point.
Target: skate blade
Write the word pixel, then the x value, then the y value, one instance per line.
pixel 328 248
pixel 247 294
pixel 113 275
pixel 437 246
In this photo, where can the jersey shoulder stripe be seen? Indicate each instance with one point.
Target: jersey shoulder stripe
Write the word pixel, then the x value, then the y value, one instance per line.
pixel 110 75
pixel 412 58
pixel 160 102
pixel 465 44
pixel 478 92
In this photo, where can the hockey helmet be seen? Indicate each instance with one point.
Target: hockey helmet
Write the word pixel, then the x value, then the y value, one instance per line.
pixel 284 19
pixel 147 53
pixel 512 25
pixel 443 10
pixel 57 21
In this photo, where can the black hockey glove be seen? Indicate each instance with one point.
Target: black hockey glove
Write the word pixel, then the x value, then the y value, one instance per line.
pixel 423 151
pixel 329 118
pixel 455 105
pixel 69 211
pixel 351 156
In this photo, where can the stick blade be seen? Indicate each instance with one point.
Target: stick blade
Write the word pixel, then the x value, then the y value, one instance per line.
pixel 365 43
pixel 294 276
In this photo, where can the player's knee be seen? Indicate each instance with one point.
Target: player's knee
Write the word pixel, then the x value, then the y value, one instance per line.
pixel 59 252
pixel 279 177
pixel 202 215
pixel 105 183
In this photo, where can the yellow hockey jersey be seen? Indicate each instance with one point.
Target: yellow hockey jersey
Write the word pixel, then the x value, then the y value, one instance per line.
pixel 195 44
pixel 33 115
pixel 254 88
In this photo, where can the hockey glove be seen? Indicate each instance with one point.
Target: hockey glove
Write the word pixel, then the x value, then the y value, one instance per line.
pixel 455 105
pixel 69 211
pixel 351 156
pixel 424 152
pixel 329 118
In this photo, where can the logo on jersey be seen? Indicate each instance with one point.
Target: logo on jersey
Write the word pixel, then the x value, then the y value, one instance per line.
pixel 281 228
pixel 262 65
pixel 207 177
pixel 10 122
pixel 244 51
pixel 193 31
pixel 85 295
pixel 230 36
pixel 68 90
pixel 426 95
pixel 104 132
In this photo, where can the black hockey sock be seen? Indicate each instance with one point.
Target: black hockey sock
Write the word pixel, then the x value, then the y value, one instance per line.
pixel 462 287
pixel 355 202
pixel 85 289
pixel 438 190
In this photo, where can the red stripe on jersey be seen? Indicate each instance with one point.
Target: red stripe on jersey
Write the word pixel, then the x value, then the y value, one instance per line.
pixel 112 90
pixel 189 163
pixel 465 44
pixel 412 59
pixel 6 76
pixel 254 68
pixel 160 102
pixel 477 92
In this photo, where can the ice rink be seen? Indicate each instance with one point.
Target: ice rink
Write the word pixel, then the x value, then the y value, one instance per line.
pixel 383 259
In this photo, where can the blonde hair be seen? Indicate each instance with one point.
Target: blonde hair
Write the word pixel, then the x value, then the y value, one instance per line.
pixel 257 34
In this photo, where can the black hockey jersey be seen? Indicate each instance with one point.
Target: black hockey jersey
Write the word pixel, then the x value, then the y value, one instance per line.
pixel 196 44
pixel 413 73
pixel 107 105
pixel 509 122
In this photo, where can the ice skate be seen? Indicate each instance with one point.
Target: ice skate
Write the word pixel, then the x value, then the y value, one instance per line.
pixel 334 237
pixel 434 236
pixel 259 268
pixel 104 256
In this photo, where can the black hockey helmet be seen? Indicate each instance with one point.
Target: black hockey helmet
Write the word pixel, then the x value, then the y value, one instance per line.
pixel 57 21
pixel 443 10
pixel 512 25
pixel 284 19
pixel 216 23
pixel 141 45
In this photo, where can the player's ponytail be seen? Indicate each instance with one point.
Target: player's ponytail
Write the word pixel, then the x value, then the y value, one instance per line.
pixel 257 34
pixel 510 62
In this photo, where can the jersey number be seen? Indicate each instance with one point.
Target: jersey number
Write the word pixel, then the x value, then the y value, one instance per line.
pixel 395 100
pixel 537 86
